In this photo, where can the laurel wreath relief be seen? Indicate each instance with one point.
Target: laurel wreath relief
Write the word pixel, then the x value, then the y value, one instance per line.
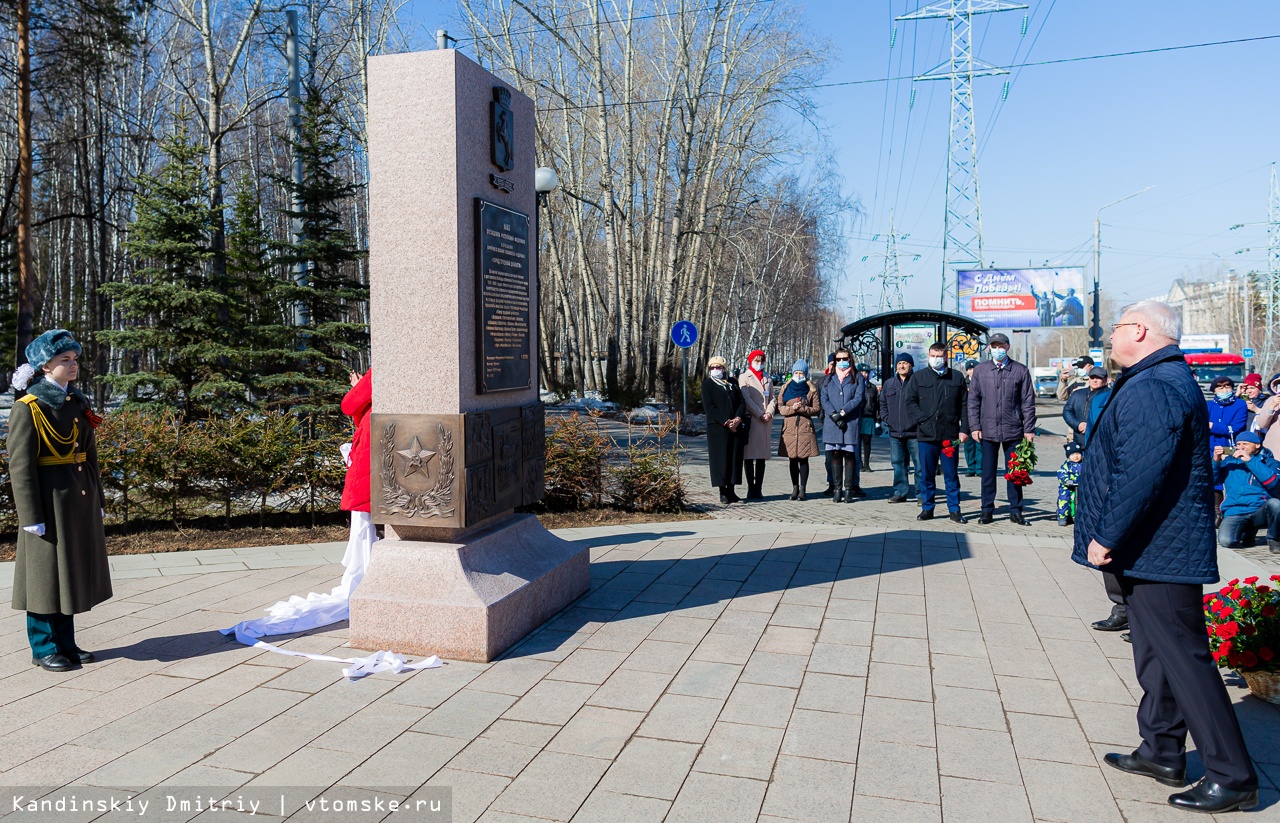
pixel 432 503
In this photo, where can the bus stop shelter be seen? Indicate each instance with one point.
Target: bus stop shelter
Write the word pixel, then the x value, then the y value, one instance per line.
pixel 877 339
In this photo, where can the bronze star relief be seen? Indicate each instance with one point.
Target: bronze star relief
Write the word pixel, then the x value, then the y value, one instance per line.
pixel 416 458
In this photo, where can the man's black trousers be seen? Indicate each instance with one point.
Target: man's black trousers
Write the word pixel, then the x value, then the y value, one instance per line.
pixel 1181 688
pixel 1115 593
pixel 991 452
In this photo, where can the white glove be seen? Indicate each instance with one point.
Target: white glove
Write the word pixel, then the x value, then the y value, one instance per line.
pixel 345 451
pixel 37 529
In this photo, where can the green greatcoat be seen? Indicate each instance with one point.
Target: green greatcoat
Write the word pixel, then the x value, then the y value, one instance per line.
pixel 64 571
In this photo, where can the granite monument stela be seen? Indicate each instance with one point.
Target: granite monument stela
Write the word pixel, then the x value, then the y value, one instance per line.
pixel 458 432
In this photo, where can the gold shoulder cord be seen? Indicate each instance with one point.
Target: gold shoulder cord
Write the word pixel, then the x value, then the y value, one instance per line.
pixel 49 435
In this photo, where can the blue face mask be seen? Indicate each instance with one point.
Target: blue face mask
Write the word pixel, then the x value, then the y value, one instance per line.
pixel 1225 396
pixel 999 354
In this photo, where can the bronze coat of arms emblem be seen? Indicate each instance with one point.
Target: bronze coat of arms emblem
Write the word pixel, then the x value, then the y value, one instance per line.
pixel 502 131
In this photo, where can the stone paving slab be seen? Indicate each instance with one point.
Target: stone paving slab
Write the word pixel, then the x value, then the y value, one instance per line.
pixel 720 670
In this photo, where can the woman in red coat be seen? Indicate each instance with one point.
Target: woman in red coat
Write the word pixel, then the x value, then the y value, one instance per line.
pixel 356 405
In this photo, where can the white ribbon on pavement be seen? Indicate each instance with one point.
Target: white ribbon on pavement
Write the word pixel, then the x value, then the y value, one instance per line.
pixel 299 614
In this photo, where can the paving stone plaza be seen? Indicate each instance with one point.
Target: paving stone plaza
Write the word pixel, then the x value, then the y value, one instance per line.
pixel 782 661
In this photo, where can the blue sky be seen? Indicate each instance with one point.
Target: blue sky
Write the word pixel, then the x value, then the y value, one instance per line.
pixel 1202 126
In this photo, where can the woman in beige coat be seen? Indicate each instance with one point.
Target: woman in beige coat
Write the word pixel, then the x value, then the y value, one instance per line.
pixel 798 442
pixel 761 401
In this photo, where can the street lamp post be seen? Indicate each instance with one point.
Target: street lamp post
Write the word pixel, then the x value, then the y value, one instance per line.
pixel 545 181
pixel 1095 331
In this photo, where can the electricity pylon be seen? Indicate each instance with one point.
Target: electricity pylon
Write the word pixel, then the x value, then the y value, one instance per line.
pixel 891 278
pixel 962 229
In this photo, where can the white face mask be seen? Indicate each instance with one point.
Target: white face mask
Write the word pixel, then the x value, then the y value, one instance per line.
pixel 798 377
pixel 716 373
pixel 937 361
pixel 999 354
pixel 1224 394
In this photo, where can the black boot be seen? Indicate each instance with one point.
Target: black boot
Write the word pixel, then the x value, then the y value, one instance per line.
pixel 802 495
pixel 866 454
pixel 795 492
pixel 851 489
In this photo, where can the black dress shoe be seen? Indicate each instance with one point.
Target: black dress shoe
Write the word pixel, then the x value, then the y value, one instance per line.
pixel 857 491
pixel 1016 517
pixel 828 491
pixel 1133 764
pixel 1125 637
pixel 897 498
pixel 957 517
pixel 925 514
pixel 53 663
pixel 1114 623
pixel 1206 796
pixel 986 518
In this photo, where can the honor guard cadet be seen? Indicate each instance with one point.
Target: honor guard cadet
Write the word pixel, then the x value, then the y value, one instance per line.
pixel 61 566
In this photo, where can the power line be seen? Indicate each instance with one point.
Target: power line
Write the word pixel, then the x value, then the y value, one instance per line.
pixel 844 83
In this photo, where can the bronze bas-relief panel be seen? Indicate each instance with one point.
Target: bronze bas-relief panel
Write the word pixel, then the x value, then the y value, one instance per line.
pixel 455 470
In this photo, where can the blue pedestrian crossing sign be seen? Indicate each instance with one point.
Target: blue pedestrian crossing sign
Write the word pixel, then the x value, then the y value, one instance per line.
pixel 684 334
pixel 1247 353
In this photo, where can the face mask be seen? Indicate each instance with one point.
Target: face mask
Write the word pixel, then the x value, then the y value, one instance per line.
pixel 936 361
pixel 1226 394
pixel 999 354
pixel 798 377
pixel 842 365
pixel 717 373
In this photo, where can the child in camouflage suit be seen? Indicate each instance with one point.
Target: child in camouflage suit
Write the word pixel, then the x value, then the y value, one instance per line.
pixel 1068 481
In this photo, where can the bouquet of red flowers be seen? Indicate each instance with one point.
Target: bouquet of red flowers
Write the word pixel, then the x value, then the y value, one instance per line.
pixel 948 448
pixel 1243 626
pixel 1021 462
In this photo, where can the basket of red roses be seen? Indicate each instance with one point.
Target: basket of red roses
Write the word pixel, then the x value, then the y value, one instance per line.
pixel 1021 461
pixel 1244 633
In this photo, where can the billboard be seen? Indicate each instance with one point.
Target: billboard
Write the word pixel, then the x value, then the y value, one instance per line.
pixel 914 339
pixel 1008 298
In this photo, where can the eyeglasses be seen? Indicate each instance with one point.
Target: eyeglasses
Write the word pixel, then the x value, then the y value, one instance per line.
pixel 1115 326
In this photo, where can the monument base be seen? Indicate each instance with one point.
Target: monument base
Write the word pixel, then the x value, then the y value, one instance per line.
pixel 466 601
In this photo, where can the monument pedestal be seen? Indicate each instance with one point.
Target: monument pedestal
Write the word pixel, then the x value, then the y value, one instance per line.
pixel 469 600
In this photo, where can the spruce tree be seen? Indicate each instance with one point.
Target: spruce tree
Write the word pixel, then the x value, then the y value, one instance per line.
pixel 175 330
pixel 255 309
pixel 316 354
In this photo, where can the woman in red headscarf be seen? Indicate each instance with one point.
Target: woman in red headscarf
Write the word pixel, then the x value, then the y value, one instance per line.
pixel 761 401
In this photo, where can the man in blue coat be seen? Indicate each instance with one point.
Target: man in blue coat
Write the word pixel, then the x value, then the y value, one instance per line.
pixel 1082 406
pixel 1251 483
pixel 1145 514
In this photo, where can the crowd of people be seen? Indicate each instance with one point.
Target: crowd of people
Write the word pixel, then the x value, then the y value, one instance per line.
pixel 1149 467
pixel 1150 470
pixel 934 417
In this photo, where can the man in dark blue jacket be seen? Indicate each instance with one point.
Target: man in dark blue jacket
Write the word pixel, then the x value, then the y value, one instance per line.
pixel 1078 409
pixel 1251 482
pixel 903 453
pixel 937 399
pixel 1144 513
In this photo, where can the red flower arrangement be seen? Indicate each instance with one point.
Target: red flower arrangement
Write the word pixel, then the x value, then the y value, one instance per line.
pixel 1243 628
pixel 948 449
pixel 1021 462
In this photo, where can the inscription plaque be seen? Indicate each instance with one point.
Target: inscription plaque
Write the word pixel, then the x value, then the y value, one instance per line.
pixel 504 299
